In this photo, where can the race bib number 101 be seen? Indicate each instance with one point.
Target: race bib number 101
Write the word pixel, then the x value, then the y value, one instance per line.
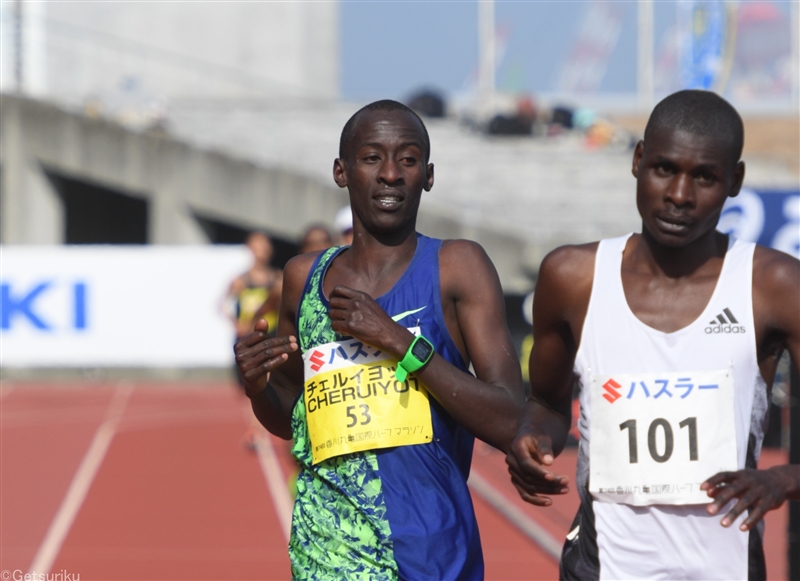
pixel 354 403
pixel 655 437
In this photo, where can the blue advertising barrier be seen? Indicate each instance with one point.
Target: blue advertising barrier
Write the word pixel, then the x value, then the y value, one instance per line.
pixel 768 217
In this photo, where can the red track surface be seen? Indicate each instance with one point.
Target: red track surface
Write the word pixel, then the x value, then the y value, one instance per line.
pixel 176 495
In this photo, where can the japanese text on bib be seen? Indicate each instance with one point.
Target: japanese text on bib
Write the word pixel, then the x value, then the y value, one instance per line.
pixel 353 402
pixel 655 437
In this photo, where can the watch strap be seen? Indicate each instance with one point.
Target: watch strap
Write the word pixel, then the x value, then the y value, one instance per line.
pixel 410 363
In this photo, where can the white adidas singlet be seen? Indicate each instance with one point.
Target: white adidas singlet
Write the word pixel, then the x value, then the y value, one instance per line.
pixel 660 413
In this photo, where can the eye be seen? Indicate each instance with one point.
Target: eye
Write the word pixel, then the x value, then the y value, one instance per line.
pixel 371 158
pixel 706 178
pixel 664 169
pixel 409 160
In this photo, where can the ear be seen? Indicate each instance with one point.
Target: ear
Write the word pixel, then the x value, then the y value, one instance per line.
pixel 638 154
pixel 738 180
pixel 340 173
pixel 429 178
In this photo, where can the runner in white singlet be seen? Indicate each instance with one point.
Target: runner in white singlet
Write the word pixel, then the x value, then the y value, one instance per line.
pixel 673 336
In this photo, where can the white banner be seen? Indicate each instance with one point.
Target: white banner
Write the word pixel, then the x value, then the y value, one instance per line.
pixel 147 306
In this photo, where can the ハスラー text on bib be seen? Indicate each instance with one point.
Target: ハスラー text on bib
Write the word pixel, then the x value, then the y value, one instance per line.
pixel 353 402
pixel 655 437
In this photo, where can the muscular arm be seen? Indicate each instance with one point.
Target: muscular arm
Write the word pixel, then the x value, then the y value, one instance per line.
pixel 487 405
pixel 272 368
pixel 559 308
pixel 776 311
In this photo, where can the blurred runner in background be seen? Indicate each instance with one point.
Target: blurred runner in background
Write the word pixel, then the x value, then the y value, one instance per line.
pixel 317 237
pixel 256 293
pixel 253 295
pixel 344 225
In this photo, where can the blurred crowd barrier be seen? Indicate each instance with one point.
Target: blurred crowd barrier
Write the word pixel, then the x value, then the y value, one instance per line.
pixel 103 306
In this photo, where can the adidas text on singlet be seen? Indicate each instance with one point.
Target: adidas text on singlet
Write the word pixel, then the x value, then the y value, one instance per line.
pixel 400 512
pixel 660 413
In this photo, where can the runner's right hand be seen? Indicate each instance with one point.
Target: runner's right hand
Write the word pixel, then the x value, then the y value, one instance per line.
pixel 530 454
pixel 257 354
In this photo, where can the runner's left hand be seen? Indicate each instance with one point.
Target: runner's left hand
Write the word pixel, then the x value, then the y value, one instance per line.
pixel 529 461
pixel 757 490
pixel 356 314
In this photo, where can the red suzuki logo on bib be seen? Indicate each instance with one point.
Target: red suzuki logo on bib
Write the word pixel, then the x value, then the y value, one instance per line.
pixel 611 394
pixel 317 360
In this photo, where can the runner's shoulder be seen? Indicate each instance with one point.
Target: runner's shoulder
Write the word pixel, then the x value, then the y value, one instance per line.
pixel 571 265
pixel 775 271
pixel 459 249
pixel 296 272
pixel 465 262
pixel 776 278
pixel 238 284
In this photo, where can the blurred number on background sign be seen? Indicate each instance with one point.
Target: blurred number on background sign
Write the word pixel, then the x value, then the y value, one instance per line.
pixel 768 217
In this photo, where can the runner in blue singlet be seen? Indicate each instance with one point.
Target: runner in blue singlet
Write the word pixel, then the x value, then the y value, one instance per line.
pixel 385 457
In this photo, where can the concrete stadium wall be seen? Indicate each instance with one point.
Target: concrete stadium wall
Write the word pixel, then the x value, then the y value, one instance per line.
pixel 174 177
pixel 179 180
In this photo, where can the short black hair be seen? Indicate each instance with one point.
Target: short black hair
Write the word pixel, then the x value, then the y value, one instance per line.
pixel 699 113
pixel 382 105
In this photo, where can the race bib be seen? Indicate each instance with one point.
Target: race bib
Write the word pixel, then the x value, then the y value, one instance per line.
pixel 354 403
pixel 655 437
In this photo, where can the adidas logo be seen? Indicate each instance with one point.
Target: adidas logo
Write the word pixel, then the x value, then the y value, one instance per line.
pixel 724 325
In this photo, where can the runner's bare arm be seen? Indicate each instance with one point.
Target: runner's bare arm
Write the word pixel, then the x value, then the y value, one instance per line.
pixel 559 308
pixel 228 302
pixel 273 301
pixel 776 310
pixel 272 368
pixel 472 301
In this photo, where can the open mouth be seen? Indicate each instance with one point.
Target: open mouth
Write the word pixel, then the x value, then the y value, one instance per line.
pixel 388 201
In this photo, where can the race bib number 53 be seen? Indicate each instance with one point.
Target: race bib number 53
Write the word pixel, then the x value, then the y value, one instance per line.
pixel 655 437
pixel 354 403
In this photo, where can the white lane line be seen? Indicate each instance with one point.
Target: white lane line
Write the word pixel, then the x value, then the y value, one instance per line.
pixel 526 525
pixel 276 481
pixel 81 482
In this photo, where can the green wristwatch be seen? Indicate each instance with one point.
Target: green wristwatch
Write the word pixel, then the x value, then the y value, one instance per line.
pixel 419 353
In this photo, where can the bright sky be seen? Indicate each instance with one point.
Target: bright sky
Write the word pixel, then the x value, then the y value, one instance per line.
pixel 393 47
pixel 390 48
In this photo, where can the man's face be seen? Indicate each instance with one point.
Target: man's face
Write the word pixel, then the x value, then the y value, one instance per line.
pixel 385 170
pixel 682 182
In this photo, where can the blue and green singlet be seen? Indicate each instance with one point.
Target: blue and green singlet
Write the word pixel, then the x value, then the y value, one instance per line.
pixel 392 513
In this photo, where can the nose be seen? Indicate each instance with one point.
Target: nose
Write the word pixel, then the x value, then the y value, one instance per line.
pixel 390 173
pixel 681 191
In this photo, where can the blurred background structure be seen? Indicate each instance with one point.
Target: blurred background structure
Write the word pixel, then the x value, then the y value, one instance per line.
pixel 186 124
pixel 143 142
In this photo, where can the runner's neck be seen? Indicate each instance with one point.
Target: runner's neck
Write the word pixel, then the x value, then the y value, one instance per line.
pixel 703 257
pixel 371 266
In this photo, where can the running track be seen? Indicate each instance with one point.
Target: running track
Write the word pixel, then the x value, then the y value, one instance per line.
pixel 152 481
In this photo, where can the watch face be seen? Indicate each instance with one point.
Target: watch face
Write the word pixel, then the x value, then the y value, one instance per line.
pixel 422 350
